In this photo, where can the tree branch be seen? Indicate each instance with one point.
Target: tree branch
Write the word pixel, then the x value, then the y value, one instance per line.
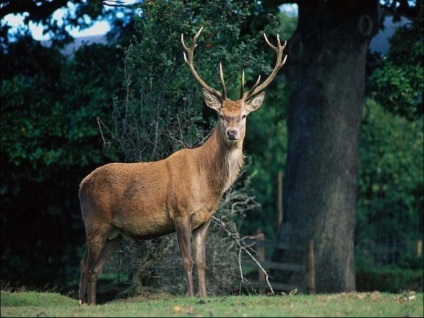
pixel 243 246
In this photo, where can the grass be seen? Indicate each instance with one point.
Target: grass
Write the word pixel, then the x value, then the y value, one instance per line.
pixel 37 304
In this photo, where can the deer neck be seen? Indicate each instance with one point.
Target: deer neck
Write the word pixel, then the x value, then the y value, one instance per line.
pixel 221 160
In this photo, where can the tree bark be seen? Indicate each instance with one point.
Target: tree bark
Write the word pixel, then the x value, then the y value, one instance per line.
pixel 326 64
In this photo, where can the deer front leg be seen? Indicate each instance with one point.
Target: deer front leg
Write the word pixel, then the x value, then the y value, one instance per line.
pixel 199 237
pixel 183 229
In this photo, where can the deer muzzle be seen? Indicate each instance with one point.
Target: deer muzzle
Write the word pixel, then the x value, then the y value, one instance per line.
pixel 232 135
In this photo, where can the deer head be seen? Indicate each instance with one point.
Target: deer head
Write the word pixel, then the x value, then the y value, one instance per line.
pixel 232 114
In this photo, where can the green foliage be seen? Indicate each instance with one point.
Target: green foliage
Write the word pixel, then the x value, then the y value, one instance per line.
pixel 163 101
pixel 391 280
pixel 49 141
pixel 221 41
pixel 48 111
pixel 21 94
pixel 397 81
pixel 266 142
pixel 390 199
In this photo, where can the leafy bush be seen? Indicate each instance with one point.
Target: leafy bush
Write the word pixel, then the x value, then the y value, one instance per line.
pixel 49 141
pixel 390 206
pixel 397 80
pixel 390 203
pixel 391 280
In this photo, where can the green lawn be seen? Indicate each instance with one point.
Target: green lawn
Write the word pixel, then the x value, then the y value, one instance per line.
pixel 32 304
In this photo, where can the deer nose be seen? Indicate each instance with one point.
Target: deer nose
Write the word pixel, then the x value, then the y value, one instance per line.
pixel 232 134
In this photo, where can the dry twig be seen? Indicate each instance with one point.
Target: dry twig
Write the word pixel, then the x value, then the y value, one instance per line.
pixel 243 246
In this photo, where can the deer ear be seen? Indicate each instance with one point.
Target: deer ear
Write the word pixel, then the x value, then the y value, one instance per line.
pixel 212 101
pixel 255 103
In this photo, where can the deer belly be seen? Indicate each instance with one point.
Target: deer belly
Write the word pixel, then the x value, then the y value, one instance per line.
pixel 144 224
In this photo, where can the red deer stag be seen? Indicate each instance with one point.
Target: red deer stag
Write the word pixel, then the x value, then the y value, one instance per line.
pixel 177 194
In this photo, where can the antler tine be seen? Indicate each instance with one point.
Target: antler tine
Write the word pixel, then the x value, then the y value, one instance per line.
pixel 188 59
pixel 249 92
pixel 242 85
pixel 256 89
pixel 221 76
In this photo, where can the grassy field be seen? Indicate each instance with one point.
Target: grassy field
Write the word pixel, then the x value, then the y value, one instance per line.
pixel 36 304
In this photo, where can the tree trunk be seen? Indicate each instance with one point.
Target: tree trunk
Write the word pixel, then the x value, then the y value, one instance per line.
pixel 326 64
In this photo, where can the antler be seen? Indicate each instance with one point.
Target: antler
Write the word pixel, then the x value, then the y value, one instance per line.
pixel 188 58
pixel 256 89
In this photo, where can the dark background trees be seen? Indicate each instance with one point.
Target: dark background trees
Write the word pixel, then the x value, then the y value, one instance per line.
pixel 50 138
pixel 48 142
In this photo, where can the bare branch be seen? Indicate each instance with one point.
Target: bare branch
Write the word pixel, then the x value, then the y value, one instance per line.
pixel 243 246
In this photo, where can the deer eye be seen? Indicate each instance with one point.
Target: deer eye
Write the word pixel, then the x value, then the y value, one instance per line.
pixel 243 117
pixel 221 116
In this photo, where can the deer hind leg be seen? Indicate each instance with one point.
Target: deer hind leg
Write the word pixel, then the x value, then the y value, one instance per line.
pixel 199 238
pixel 83 279
pixel 98 251
pixel 183 229
pixel 108 249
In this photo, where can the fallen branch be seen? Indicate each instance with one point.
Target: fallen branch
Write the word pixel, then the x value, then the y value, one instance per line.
pixel 243 246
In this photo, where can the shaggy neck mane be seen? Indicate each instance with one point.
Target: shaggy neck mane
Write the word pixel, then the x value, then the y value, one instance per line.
pixel 222 162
